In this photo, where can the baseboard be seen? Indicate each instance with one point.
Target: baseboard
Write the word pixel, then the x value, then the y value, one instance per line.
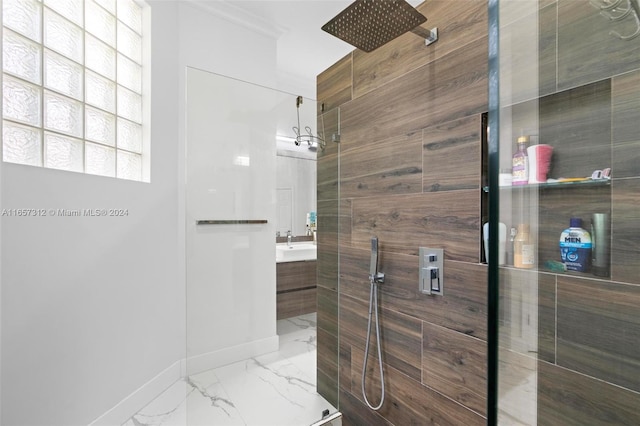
pixel 142 396
pixel 215 359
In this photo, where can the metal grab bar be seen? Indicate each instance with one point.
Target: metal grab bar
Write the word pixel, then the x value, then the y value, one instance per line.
pixel 232 222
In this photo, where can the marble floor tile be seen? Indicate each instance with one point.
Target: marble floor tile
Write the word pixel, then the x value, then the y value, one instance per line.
pixel 276 389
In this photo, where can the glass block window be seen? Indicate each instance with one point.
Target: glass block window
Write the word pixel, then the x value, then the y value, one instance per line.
pixel 72 85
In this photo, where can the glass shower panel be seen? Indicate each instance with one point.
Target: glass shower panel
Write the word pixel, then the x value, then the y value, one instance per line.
pixel 244 366
pixel 568 317
pixel 328 265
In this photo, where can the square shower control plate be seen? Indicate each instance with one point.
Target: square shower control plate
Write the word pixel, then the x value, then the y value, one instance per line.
pixel 431 273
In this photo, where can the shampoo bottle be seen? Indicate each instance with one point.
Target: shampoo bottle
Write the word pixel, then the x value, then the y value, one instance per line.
pixel 575 246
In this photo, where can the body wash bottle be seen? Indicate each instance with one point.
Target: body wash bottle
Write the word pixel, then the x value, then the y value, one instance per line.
pixel 575 246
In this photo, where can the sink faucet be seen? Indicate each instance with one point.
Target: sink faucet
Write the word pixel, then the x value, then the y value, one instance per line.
pixel 289 238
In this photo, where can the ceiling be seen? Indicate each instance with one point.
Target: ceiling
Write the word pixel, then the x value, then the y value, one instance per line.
pixel 304 50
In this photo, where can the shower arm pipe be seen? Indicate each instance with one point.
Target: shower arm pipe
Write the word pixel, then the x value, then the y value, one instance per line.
pixel 430 36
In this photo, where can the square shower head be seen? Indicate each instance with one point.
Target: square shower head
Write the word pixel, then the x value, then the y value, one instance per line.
pixel 368 24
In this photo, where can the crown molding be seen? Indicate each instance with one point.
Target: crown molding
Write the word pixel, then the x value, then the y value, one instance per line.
pixel 237 15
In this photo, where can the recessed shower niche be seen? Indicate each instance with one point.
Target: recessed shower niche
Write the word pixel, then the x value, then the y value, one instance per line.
pixel 575 123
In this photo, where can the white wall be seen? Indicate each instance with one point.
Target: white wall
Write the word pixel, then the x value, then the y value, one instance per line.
pixel 93 308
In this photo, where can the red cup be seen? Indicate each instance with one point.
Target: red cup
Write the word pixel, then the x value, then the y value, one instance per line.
pixel 539 162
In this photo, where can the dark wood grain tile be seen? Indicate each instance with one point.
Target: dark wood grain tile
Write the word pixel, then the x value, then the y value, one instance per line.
pixel 334 85
pixel 327 158
pixel 327 354
pixel 514 11
pixel 382 167
pixel 345 221
pixel 547 317
pixel 465 298
pixel 406 222
pixel 400 334
pixel 408 402
pixel 426 96
pixel 625 132
pixel 518 307
pixel 519 48
pixel 586 50
pixel 625 246
pixel 597 323
pixel 327 241
pixel 625 100
pixel 451 155
pixel 455 365
pixel 356 413
pixel 327 175
pixel 328 212
pixel 344 365
pixel 516 388
pixel 327 316
pixel 328 388
pixel 457 26
pixel 353 321
pixel 577 123
pixel 328 267
pixel 547 47
pixel 569 398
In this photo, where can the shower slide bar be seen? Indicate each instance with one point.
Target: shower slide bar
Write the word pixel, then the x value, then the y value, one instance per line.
pixel 232 222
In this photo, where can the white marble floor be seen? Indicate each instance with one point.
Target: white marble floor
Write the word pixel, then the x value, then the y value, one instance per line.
pixel 274 389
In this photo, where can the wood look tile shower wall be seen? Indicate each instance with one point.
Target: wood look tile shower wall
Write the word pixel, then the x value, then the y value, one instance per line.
pixel 409 170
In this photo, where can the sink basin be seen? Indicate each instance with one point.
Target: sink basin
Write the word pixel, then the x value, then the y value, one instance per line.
pixel 296 252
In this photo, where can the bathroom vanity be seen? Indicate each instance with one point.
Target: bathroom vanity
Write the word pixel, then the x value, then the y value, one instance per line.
pixel 295 279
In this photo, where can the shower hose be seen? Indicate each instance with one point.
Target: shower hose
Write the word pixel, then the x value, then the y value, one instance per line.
pixel 373 305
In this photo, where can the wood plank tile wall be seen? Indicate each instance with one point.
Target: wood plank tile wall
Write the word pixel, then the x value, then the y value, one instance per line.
pixel 409 171
pixel 410 174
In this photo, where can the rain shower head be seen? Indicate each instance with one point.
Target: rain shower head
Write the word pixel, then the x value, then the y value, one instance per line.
pixel 368 24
